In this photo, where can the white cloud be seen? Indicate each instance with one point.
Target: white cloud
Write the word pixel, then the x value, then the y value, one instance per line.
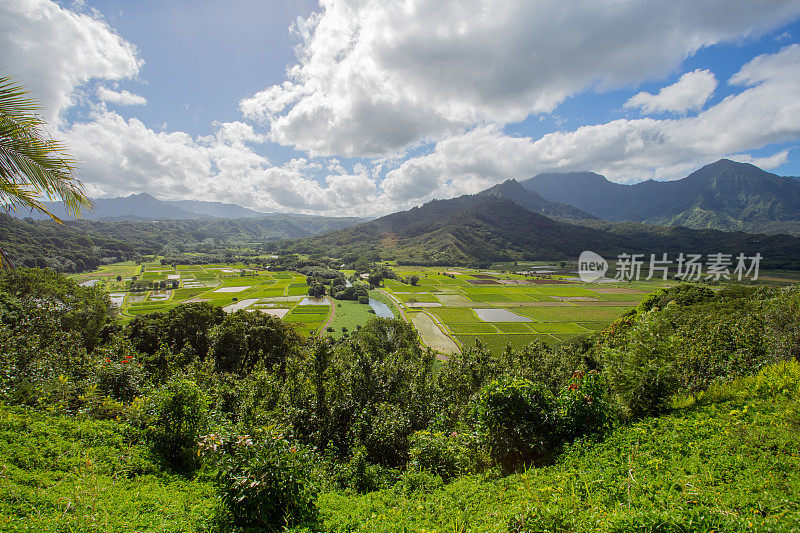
pixel 120 157
pixel 53 51
pixel 765 112
pixel 689 93
pixel 769 162
pixel 119 97
pixel 376 76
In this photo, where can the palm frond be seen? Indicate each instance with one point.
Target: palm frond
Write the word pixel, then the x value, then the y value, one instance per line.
pixel 33 166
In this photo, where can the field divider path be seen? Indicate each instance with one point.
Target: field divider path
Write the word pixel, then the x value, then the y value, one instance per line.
pixel 397 304
pixel 323 327
pixel 445 330
pixel 433 337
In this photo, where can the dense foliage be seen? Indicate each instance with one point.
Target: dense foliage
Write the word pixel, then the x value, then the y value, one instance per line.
pixel 282 418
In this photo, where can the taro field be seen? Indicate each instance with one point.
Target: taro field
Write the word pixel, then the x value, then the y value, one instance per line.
pixel 232 287
pixel 455 308
pixel 450 308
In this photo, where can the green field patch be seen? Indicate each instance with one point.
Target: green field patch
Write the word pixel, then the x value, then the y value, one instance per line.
pixel 305 318
pixel 472 328
pixel 296 289
pixel 596 325
pixel 311 310
pixel 491 297
pixel 305 328
pixel 566 336
pixel 270 292
pixel 513 327
pixel 564 291
pixel 498 343
pixel 145 309
pixel 526 296
pixel 183 294
pixel 557 327
pixel 417 297
pixel 572 313
pixel 635 297
pixel 403 287
pixel 483 290
pixel 239 281
pixel 454 315
pixel 454 300
pixel 281 276
pixel 349 315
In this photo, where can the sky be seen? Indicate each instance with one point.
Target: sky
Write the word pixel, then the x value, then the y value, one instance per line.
pixel 365 107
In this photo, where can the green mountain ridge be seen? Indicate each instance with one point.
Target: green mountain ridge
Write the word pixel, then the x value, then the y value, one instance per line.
pixel 481 228
pixel 78 245
pixel 725 195
pixel 514 191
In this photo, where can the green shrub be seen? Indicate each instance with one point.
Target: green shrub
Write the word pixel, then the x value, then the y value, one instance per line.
pixel 420 481
pixel 262 479
pixel 772 380
pixel 362 476
pixel 447 455
pixel 582 407
pixel 363 300
pixel 121 380
pixel 387 439
pixel 642 373
pixel 683 294
pixel 122 377
pixel 175 416
pixel 547 520
pixel 515 419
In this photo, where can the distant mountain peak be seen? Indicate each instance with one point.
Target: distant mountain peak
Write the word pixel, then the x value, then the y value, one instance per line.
pixel 141 195
pixel 725 195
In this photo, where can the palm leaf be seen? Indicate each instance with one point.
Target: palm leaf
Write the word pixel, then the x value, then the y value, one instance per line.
pixel 33 167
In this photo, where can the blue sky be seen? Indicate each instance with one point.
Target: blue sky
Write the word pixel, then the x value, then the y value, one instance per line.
pixel 362 107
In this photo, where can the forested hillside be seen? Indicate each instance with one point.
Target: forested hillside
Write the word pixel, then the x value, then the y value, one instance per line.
pixel 479 229
pixel 82 245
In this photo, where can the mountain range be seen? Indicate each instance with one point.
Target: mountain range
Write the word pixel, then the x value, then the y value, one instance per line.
pixel 723 207
pixel 725 195
pixel 483 228
pixel 145 207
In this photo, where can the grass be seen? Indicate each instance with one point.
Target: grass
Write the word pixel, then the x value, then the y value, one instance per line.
pixel 60 473
pixel 311 310
pixel 466 329
pixel 557 327
pixel 349 315
pixel 417 297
